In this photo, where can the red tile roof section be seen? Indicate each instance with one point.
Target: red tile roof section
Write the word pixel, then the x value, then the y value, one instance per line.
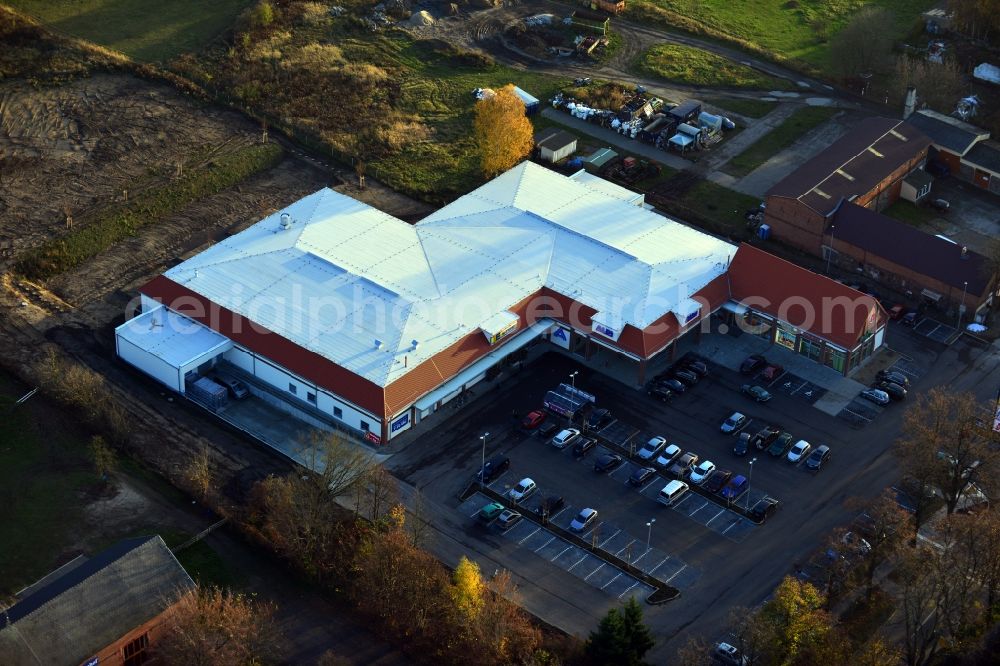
pixel 779 288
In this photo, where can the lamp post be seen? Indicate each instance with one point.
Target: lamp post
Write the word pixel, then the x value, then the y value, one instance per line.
pixel 750 481
pixel 572 377
pixel 649 532
pixel 961 305
pixel 482 470
pixel 829 251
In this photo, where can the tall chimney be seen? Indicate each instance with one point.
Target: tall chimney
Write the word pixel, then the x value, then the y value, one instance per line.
pixel 910 105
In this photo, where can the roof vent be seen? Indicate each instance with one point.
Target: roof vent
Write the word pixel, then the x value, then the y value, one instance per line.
pixel 965 252
pixel 286 221
pixel 378 344
pixel 414 344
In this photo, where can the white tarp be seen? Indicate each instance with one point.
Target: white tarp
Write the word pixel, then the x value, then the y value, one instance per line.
pixel 987 72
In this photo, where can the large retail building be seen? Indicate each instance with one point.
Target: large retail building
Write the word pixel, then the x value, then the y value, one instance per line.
pixel 349 317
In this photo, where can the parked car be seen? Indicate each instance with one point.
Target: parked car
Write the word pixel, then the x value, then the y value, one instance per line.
pixel 819 457
pixel 758 393
pixel 508 519
pixel 734 423
pixel 856 543
pixel 583 520
pixel 697 366
pixel 736 487
pixel 683 464
pixel 940 205
pixel 652 448
pixel 716 480
pixel 771 372
pixel 780 445
pixel 493 468
pixel 550 506
pixel 583 446
pixel 546 429
pixel 668 455
pixel 661 393
pixel 236 388
pixel 641 475
pixel 894 376
pixel 522 491
pixel 878 396
pixel 608 462
pixel 895 391
pixel 490 511
pixel 599 418
pixel 701 471
pixel 686 377
pixel 752 364
pixel 729 655
pixel 533 419
pixel 764 509
pixel 565 438
pixel 799 451
pixel 910 318
pixel 765 436
pixel 742 444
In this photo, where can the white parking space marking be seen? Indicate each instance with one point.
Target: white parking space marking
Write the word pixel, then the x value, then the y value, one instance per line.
pixel 690 515
pixel 644 554
pixel 596 570
pixel 655 480
pixel 721 511
pixel 622 550
pixel 675 573
pixel 561 553
pixel 547 543
pixel 609 538
pixel 585 556
pixel 556 514
pixel 628 589
pixel 650 572
pixel 611 581
pixel 731 526
pixel 535 531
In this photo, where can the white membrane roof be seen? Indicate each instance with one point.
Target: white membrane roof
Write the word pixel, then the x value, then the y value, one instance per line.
pixel 345 275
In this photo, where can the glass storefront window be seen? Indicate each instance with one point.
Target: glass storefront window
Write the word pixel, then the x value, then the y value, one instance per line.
pixel 785 339
pixel 835 359
pixel 810 349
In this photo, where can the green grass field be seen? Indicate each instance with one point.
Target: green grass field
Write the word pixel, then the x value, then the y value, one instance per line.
pixel 751 108
pixel 144 30
pixel 795 30
pixel 693 66
pixel 778 139
pixel 921 217
pixel 43 472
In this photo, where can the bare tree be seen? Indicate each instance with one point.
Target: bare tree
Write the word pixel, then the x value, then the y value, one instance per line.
pixel 751 635
pixel 943 444
pixel 920 593
pixel 863 45
pixel 212 627
pixel 103 457
pixel 887 531
pixel 695 652
pixel 199 474
pixel 939 85
pixel 337 464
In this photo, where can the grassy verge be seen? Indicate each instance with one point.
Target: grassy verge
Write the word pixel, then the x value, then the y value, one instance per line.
pixel 78 246
pixel 134 27
pixel 778 139
pixel 693 66
pixel 717 208
pixel 796 32
pixel 918 216
pixel 750 108
pixel 43 473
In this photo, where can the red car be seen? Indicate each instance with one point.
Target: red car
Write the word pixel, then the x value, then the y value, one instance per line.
pixel 771 372
pixel 533 419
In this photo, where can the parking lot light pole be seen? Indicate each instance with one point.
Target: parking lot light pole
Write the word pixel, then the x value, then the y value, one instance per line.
pixel 961 305
pixel 482 469
pixel 750 481
pixel 572 377
pixel 649 532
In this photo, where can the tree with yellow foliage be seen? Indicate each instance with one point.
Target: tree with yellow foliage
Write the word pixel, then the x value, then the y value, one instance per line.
pixel 503 133
pixel 468 589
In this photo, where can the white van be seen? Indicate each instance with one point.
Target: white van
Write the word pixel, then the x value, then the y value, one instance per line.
pixel 672 492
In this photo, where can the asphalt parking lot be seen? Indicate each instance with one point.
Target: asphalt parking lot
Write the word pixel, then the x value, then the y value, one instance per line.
pixel 935 330
pixel 716 557
pixel 860 411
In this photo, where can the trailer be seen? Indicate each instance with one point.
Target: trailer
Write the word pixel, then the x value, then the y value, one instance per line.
pixel 686 111
pixel 656 123
pixel 531 103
